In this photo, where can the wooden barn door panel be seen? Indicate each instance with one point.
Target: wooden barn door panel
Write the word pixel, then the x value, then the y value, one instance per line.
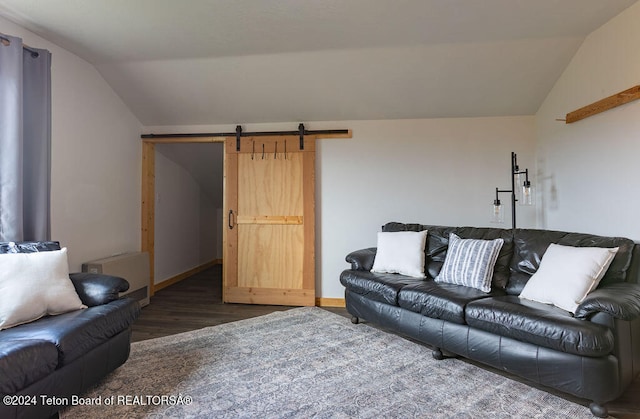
pixel 269 197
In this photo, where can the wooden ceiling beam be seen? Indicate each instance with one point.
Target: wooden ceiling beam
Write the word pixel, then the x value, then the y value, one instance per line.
pixel 605 104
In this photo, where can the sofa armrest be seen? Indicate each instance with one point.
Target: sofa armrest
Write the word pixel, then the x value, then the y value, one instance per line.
pixel 98 289
pixel 362 260
pixel 620 300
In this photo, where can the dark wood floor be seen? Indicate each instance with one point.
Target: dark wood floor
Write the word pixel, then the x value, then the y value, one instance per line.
pixel 196 302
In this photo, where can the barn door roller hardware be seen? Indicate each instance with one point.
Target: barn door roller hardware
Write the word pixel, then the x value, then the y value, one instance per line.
pixel 301 132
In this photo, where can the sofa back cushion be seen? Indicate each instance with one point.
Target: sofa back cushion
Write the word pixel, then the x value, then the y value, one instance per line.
pixel 529 246
pixel 522 251
pixel 438 244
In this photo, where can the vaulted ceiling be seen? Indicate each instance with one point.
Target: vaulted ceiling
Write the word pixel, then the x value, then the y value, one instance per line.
pixel 246 61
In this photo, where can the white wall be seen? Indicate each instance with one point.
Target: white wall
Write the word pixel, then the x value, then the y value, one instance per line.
pixel 437 171
pixel 440 171
pixel 590 168
pixel 182 240
pixel 210 230
pixel 96 159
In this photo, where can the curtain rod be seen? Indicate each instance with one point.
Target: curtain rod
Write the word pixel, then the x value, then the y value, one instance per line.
pixel 6 41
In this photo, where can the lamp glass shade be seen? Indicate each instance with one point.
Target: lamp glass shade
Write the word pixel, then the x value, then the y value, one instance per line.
pixel 518 181
pixel 526 194
pixel 497 213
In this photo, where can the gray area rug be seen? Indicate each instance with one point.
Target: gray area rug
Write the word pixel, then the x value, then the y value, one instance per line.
pixel 304 363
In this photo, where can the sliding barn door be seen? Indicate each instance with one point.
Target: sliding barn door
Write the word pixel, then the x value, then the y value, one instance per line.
pixel 269 207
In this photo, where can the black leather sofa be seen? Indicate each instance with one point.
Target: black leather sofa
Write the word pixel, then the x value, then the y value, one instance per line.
pixel 45 363
pixel 594 354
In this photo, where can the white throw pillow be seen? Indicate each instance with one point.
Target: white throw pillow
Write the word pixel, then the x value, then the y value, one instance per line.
pixel 33 285
pixel 567 274
pixel 401 252
pixel 470 262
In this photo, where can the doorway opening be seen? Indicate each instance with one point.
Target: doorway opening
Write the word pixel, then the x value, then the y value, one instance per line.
pixel 182 204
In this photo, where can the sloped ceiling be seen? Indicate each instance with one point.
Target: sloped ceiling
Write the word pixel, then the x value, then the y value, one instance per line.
pixel 204 162
pixel 247 61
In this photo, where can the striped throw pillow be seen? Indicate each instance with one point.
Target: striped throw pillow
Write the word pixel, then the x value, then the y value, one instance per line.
pixel 470 262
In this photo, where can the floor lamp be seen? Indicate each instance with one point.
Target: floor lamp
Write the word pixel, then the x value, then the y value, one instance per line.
pixel 520 191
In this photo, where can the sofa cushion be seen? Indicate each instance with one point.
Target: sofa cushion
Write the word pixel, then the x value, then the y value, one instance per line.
pixel 78 332
pixel 400 252
pixel 378 287
pixel 23 362
pixel 28 246
pixel 34 284
pixel 539 324
pixel 440 300
pixel 438 244
pixel 567 274
pixel 530 245
pixel 470 262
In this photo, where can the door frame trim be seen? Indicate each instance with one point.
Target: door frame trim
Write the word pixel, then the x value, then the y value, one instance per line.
pixel 147 226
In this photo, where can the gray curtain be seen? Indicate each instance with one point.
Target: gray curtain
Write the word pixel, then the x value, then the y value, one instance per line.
pixel 25 141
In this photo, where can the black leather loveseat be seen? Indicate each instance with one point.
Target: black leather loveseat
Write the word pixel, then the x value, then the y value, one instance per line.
pixel 46 363
pixel 593 354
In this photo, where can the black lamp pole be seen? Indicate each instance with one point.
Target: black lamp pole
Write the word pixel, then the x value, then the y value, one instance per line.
pixel 515 170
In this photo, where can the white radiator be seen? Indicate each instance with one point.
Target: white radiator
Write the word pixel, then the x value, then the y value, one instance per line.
pixel 134 267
